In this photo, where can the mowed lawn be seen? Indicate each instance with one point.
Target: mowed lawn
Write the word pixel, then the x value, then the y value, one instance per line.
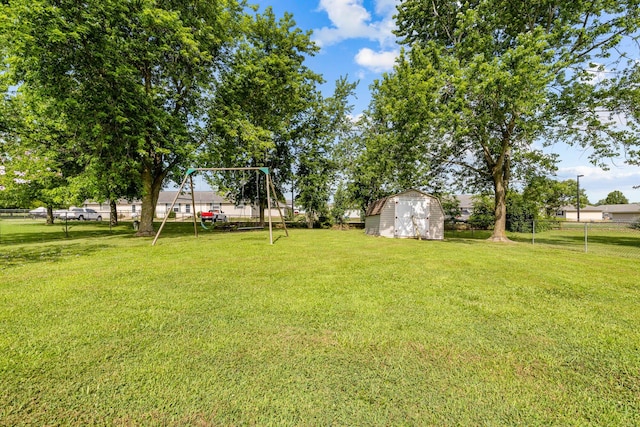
pixel 322 328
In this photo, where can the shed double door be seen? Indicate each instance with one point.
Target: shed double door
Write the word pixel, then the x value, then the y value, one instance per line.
pixel 412 218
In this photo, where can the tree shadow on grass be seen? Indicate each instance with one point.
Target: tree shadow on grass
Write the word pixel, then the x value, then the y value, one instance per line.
pixel 36 232
pixel 465 235
pixel 40 254
pixel 185 229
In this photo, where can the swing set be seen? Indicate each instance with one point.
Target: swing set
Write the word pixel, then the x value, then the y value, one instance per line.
pixel 189 177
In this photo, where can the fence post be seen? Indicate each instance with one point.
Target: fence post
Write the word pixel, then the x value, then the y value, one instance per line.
pixel 533 232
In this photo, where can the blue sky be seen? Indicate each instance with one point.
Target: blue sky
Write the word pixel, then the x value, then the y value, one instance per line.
pixel 356 40
pixel 355 37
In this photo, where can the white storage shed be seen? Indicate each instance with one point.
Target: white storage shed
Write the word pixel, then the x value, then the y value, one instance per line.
pixel 410 214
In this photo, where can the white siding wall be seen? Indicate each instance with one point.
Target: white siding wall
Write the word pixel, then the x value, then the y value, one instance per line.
pixel 436 215
pixel 436 220
pixel 584 216
pixel 412 215
pixel 388 218
pixel 230 210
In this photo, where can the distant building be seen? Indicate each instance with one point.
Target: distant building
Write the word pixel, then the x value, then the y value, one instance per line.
pixel 184 206
pixel 465 203
pixel 587 213
pixel 628 212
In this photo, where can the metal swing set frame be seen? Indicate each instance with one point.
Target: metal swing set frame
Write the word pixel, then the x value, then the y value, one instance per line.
pixel 189 177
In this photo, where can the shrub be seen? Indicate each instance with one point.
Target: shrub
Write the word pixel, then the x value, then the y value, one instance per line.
pixel 324 221
pixel 483 216
pixel 520 213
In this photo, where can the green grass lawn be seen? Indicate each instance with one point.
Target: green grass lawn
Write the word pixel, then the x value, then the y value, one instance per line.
pixel 321 328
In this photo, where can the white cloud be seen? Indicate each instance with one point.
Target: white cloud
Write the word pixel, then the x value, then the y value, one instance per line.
pixel 596 173
pixel 386 7
pixel 598 183
pixel 351 19
pixel 376 61
pixel 356 118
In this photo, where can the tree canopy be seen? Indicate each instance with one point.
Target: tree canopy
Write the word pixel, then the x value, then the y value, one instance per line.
pixel 260 103
pixel 549 195
pixel 614 198
pixel 147 89
pixel 130 78
pixel 268 111
pixel 483 81
pixel 36 163
pixel 317 163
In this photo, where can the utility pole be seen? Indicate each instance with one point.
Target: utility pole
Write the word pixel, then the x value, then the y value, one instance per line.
pixel 578 197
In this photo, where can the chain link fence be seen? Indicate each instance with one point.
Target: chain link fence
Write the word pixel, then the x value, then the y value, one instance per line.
pixel 14 213
pixel 607 237
pixel 618 238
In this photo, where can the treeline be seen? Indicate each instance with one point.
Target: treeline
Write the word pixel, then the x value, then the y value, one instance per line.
pixel 113 99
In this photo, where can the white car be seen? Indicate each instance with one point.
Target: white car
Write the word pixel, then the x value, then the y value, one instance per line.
pixel 81 214
pixel 40 212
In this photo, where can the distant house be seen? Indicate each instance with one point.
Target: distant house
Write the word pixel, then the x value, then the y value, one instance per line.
pixel 354 215
pixel 587 213
pixel 204 201
pixel 465 204
pixel 184 206
pixel 126 208
pixel 409 214
pixel 628 212
pixel 351 215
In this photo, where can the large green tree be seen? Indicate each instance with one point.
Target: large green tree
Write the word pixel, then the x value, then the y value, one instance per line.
pixel 38 162
pixel 261 105
pixel 614 198
pixel 131 77
pixel 316 146
pixel 393 139
pixel 489 78
pixel 549 195
pixel 627 89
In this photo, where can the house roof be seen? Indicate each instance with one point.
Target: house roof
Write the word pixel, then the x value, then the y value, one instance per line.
pixel 626 208
pixel 166 197
pixel 465 200
pixel 588 208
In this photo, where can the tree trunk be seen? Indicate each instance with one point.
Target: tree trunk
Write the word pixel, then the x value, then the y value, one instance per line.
pixel 49 215
pixel 113 212
pixel 500 181
pixel 151 186
pixel 262 208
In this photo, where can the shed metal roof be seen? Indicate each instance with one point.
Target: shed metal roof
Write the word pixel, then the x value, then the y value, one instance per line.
pixel 375 208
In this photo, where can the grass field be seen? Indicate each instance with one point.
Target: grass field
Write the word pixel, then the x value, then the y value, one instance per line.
pixel 321 328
